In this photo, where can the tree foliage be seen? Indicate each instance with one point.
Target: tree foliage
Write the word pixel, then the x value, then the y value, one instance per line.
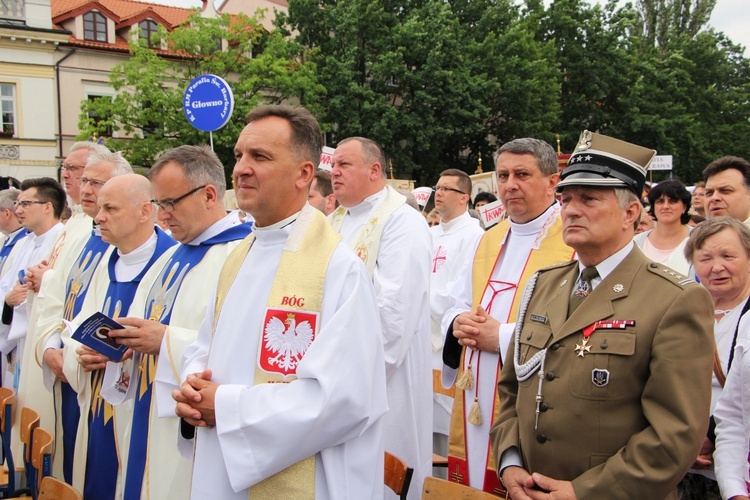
pixel 441 83
pixel 261 67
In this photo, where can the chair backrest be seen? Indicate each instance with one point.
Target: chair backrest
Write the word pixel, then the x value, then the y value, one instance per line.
pixel 397 475
pixel 29 422
pixel 41 453
pixel 54 489
pixel 7 398
pixel 440 489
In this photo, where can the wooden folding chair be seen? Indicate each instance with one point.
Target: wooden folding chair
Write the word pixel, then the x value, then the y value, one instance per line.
pixel 439 460
pixel 8 474
pixel 397 475
pixel 54 489
pixel 29 422
pixel 440 489
pixel 41 456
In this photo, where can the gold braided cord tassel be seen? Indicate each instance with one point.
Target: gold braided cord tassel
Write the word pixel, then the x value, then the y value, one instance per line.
pixel 465 381
pixel 475 416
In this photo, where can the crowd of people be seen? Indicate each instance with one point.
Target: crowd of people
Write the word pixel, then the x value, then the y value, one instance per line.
pixel 280 349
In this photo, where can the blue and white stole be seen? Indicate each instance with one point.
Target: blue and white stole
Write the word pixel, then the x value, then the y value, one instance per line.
pixel 159 306
pixel 9 243
pixel 76 286
pixel 102 461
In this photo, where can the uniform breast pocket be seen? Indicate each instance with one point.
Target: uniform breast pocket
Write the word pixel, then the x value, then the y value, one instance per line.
pixel 604 372
pixel 534 338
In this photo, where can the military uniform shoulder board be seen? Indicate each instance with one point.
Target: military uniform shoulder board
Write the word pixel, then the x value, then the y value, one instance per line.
pixel 557 266
pixel 670 275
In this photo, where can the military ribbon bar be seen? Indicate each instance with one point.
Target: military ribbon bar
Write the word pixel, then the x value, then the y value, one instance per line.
pixel 616 324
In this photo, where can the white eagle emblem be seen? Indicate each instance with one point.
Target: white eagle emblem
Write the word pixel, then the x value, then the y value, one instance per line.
pixel 285 343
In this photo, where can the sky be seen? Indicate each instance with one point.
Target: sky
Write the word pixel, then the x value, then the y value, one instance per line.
pixel 729 16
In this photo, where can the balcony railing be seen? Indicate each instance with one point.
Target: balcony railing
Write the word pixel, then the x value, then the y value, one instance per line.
pixel 13 9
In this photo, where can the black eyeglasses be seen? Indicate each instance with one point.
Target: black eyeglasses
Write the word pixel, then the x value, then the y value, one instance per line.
pixel 168 206
pixel 446 188
pixel 27 203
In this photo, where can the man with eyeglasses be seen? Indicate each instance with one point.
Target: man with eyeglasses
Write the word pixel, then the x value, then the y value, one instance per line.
pixel 453 242
pixel 38 209
pixel 61 295
pixel 486 294
pixel 167 312
pixel 77 228
pixel 394 242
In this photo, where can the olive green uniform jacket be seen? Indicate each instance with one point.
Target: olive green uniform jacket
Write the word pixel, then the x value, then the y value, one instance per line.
pixel 627 419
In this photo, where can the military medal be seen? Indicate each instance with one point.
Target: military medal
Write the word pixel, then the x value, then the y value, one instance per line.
pixel 618 324
pixel 583 347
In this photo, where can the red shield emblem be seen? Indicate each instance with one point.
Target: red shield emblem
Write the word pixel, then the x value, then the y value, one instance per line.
pixel 287 334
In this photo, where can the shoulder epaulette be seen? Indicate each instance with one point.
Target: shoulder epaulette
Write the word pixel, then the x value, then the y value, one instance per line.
pixel 558 266
pixel 670 275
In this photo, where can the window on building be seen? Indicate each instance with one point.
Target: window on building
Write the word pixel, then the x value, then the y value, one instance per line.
pixel 99 118
pixel 94 27
pixel 148 29
pixel 8 104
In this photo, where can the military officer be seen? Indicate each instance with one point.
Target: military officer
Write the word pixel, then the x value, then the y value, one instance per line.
pixel 609 399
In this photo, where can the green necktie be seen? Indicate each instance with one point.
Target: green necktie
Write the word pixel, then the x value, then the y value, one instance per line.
pixel 583 289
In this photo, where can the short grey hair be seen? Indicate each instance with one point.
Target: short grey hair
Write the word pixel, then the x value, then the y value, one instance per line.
pixel 120 165
pixel 8 197
pixel 710 227
pixel 546 158
pixel 199 165
pixel 91 146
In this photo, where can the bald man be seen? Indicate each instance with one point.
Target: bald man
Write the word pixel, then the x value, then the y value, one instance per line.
pixel 126 219
pixel 60 297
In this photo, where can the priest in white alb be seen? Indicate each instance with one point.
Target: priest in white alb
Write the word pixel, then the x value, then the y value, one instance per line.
pixel 286 381
pixel 126 221
pixel 454 240
pixel 394 242
pixel 486 295
pixel 166 312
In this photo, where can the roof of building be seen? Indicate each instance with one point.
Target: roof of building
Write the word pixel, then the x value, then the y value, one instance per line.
pixel 123 10
pixel 124 13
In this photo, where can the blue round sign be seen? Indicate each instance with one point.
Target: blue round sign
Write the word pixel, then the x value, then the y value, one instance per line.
pixel 208 102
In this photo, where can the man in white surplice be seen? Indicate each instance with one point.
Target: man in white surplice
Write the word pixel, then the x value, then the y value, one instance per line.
pixel 317 431
pixel 38 208
pixel 454 240
pixel 167 311
pixel 394 242
pixel 485 296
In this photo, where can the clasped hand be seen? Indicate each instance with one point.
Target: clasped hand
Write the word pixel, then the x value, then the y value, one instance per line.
pixel 196 399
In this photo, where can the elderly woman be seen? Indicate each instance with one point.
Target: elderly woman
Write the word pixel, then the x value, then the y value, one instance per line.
pixel 720 251
pixel 670 204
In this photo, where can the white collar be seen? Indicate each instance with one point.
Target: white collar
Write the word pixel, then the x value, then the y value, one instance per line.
pixel 367 204
pixel 217 227
pixel 605 267
pixel 534 226
pixel 458 222
pixel 141 253
pixel 53 231
pixel 275 233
